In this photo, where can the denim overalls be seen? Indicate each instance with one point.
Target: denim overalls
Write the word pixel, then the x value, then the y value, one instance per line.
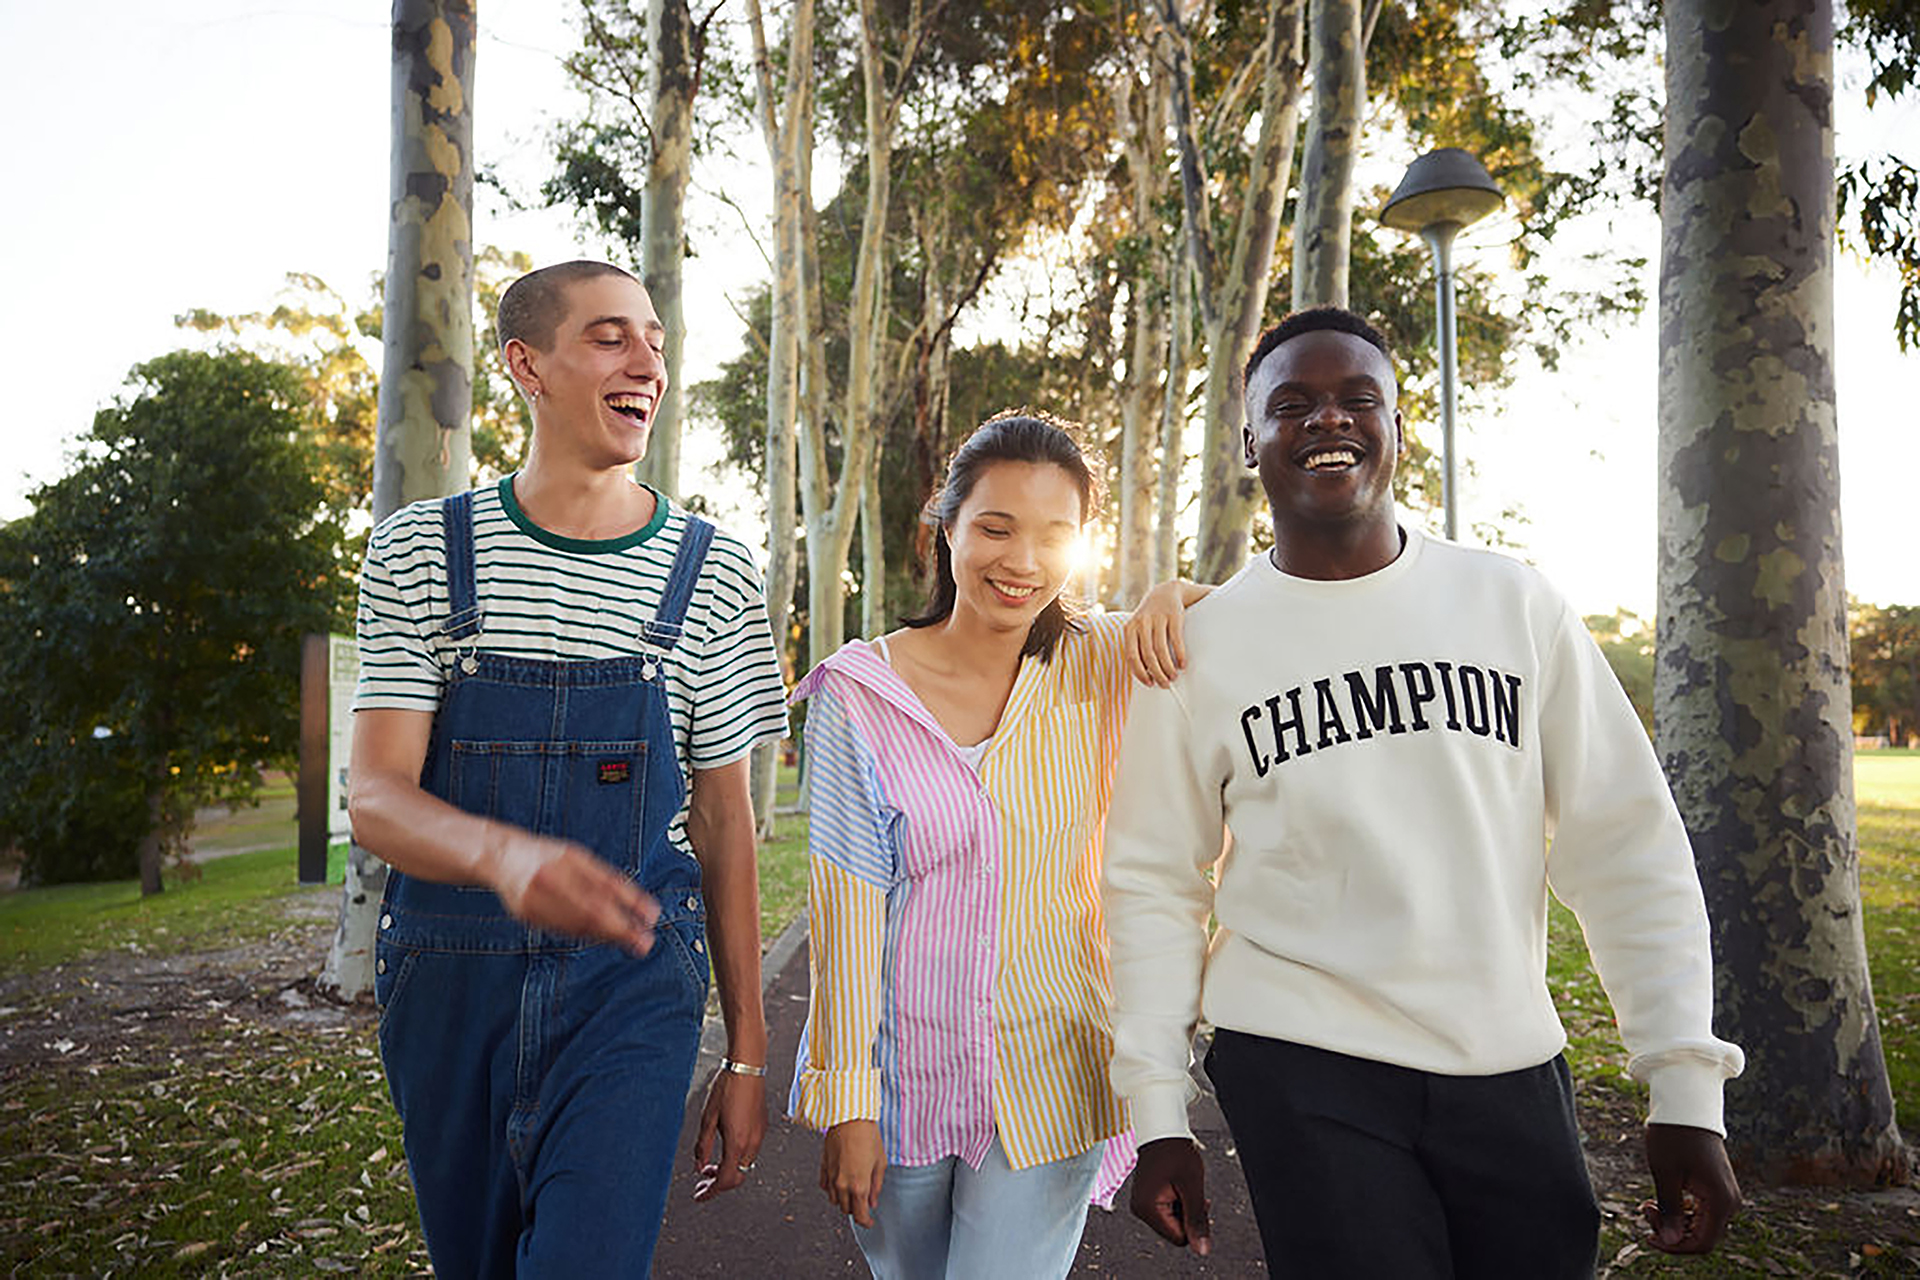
pixel 540 1079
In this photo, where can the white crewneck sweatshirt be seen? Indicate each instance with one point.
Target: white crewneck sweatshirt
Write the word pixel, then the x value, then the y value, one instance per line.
pixel 1390 755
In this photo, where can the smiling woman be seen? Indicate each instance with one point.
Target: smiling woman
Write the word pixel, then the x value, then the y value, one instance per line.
pixel 961 766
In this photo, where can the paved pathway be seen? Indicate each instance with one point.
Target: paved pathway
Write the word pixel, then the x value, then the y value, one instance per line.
pixel 780 1225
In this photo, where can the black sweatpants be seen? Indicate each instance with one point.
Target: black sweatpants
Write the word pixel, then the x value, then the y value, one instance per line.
pixel 1362 1169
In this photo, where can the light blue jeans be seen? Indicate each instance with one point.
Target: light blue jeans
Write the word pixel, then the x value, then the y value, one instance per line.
pixel 948 1219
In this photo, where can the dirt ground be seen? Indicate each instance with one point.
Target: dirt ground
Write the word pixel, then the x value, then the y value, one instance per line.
pixel 125 1008
pixel 123 1005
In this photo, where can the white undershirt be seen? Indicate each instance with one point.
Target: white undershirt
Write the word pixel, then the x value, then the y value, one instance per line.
pixel 971 754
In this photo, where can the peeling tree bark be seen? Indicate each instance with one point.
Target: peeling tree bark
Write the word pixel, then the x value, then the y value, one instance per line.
pixel 1231 307
pixel 831 511
pixel 1173 423
pixel 151 854
pixel 787 132
pixel 673 74
pixel 426 392
pixel 1143 133
pixel 1323 215
pixel 1751 689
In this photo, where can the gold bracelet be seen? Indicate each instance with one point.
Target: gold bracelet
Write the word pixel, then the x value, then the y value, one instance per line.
pixel 741 1068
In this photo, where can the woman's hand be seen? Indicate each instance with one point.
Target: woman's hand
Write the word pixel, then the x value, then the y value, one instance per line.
pixel 1154 641
pixel 853 1164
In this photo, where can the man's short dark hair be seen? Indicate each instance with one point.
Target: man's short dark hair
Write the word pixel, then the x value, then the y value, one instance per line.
pixel 534 305
pixel 1310 320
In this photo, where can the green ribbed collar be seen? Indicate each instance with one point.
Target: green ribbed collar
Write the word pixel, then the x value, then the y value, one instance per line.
pixel 586 546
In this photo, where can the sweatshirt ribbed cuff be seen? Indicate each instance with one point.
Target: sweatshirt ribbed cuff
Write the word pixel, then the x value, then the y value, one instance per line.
pixel 1687 1093
pixel 1159 1113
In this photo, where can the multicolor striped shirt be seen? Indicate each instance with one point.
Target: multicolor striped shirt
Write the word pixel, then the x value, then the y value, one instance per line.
pixel 959 960
pixel 557 598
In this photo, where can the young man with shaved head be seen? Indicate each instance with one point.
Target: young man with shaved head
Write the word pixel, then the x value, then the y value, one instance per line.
pixel 561 678
pixel 1409 743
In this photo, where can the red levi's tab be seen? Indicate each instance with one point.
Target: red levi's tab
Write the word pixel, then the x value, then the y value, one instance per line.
pixel 612 771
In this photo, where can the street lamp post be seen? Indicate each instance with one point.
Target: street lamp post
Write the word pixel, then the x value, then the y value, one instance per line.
pixel 1444 191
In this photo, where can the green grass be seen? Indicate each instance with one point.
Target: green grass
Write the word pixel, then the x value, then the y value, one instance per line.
pixel 783 863
pixel 1889 778
pixel 270 821
pixel 251 1152
pixel 230 900
pixel 1887 793
pixel 237 898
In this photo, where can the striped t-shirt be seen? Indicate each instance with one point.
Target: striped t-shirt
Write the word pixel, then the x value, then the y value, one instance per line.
pixel 555 598
pixel 959 962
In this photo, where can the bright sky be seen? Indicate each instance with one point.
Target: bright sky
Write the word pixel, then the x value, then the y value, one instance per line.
pixel 212 146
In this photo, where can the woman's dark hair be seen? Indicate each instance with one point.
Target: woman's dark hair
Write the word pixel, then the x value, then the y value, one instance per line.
pixel 1013 435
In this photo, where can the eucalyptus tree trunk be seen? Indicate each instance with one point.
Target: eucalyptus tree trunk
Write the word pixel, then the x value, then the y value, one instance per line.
pixel 935 384
pixel 426 391
pixel 1751 696
pixel 831 509
pixel 151 855
pixel 786 131
pixel 673 76
pixel 1143 132
pixel 1173 424
pixel 873 551
pixel 1232 305
pixel 1323 215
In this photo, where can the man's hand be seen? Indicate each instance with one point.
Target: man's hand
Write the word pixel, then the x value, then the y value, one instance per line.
pixel 736 1114
pixel 547 883
pixel 1170 1192
pixel 1696 1190
pixel 853 1164
pixel 562 886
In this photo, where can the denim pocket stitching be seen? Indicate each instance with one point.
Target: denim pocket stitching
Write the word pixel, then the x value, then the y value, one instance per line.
pixel 408 960
pixel 691 965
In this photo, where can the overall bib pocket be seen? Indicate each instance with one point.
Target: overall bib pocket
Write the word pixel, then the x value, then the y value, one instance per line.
pixel 593 792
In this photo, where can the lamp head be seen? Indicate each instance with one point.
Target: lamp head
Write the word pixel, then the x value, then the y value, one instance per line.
pixel 1447 185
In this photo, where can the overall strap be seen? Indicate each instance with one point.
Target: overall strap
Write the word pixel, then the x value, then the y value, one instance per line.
pixel 668 623
pixel 463 605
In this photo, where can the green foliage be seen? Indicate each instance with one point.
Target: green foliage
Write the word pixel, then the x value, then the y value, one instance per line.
pixel 1888 32
pixel 601 158
pixel 336 345
pixel 154 604
pixel 502 422
pixel 1001 134
pixel 1885 654
pixel 1490 78
pixel 1879 213
pixel 1626 640
pixel 1879 196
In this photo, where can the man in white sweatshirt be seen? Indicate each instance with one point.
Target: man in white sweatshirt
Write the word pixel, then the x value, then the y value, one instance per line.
pixel 1392 729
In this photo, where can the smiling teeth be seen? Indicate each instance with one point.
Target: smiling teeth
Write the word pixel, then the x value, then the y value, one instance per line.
pixel 1018 593
pixel 626 400
pixel 1332 457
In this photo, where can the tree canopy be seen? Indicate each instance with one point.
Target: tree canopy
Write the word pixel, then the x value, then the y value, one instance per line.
pixel 1885 653
pixel 154 602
